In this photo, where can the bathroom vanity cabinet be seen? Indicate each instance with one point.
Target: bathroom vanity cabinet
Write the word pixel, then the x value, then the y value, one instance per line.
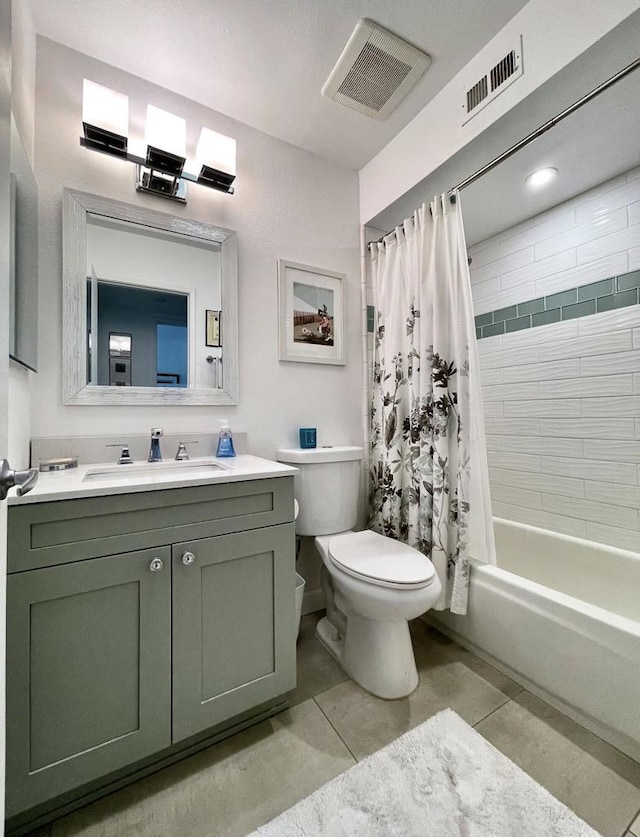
pixel 139 624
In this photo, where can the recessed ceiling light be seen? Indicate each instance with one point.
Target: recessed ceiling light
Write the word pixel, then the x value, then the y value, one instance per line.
pixel 541 177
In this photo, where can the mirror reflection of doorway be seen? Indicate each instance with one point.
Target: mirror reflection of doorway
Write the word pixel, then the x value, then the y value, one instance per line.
pixel 155 322
pixel 119 359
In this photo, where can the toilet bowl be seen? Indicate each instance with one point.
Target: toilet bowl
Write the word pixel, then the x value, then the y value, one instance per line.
pixel 378 584
pixel 373 584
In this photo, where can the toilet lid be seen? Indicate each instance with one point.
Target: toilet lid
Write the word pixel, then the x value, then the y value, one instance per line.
pixel 381 560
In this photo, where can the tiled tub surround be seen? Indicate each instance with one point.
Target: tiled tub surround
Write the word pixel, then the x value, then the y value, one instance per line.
pixel 604 295
pixel 591 237
pixel 562 401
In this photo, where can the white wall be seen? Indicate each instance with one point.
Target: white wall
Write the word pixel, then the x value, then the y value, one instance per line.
pixel 562 401
pixel 23 45
pixel 553 33
pixel 23 77
pixel 288 204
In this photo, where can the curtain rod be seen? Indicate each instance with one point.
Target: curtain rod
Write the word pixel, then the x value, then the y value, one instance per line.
pixel 536 133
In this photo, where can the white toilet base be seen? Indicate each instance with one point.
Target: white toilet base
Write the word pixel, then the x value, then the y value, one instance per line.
pixel 377 655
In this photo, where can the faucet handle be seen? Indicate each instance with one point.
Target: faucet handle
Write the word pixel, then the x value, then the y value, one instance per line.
pixel 181 453
pixel 156 432
pixel 125 456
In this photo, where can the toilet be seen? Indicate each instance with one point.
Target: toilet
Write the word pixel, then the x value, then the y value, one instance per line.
pixel 372 584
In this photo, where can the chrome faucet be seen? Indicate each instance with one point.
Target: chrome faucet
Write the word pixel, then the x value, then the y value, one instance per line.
pixel 181 453
pixel 154 454
pixel 125 455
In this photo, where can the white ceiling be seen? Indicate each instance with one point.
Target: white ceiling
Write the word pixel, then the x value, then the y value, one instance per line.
pixel 264 63
pixel 594 144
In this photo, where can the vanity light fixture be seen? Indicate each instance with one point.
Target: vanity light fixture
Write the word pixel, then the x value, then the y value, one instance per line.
pixel 216 159
pixel 105 117
pixel 166 137
pixel 541 177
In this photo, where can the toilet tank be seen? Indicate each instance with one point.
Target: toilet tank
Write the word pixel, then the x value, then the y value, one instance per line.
pixel 326 487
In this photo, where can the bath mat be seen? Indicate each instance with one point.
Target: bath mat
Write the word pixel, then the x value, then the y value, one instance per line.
pixel 441 779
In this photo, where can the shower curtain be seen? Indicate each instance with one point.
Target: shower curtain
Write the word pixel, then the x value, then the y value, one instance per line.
pixel 429 484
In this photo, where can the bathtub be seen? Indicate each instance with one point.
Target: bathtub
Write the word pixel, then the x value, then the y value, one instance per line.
pixel 562 617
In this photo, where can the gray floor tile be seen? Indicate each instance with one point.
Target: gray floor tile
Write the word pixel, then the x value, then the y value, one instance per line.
pixel 420 632
pixel 43 831
pixel 229 789
pixel 317 670
pixel 595 780
pixel 487 672
pixel 449 677
pixel 635 827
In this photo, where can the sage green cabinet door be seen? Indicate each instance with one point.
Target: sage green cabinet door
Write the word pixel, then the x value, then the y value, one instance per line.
pixel 88 662
pixel 233 625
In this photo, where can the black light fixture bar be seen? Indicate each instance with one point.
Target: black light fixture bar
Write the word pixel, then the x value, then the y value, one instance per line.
pixel 159 183
pixel 164 161
pixel 132 158
pixel 212 178
pixel 216 179
pixel 99 139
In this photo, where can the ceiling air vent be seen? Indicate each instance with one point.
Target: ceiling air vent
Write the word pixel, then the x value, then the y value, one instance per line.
pixel 477 94
pixel 492 83
pixel 375 71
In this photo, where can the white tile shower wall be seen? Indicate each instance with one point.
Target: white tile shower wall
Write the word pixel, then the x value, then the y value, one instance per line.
pixel 562 401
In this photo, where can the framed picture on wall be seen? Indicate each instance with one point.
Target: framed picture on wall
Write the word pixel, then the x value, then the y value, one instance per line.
pixel 212 328
pixel 311 314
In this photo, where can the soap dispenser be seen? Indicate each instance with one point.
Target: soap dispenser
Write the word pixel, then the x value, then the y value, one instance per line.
pixel 225 441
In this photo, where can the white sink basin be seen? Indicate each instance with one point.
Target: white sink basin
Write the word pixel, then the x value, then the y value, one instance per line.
pixel 151 470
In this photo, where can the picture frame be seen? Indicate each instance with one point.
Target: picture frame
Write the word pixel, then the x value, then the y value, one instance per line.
pixel 212 332
pixel 311 314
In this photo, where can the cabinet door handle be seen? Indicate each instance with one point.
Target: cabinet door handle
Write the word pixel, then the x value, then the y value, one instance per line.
pixel 188 558
pixel 156 564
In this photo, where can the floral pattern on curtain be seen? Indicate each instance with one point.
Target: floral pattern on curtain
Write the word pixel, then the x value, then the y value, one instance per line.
pixel 420 456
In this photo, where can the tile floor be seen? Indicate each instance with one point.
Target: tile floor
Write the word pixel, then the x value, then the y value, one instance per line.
pixel 246 780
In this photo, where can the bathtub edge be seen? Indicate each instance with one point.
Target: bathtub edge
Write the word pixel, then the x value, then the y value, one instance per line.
pixel 611 736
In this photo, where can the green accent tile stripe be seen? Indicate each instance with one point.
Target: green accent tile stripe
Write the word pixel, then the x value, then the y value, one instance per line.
pixel 629 280
pixel 580 309
pixel 505 313
pixel 546 317
pixel 621 300
pixel 581 301
pixel 484 319
pixel 492 330
pixel 563 298
pixel 518 323
pixel 535 306
pixel 371 318
pixel 595 289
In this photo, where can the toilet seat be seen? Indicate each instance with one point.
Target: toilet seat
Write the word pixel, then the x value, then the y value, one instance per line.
pixel 380 560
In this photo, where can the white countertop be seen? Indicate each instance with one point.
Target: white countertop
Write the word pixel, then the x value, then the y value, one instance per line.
pixel 105 478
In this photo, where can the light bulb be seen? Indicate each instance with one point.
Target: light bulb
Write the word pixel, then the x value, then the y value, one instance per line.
pixel 541 177
pixel 104 108
pixel 216 151
pixel 165 131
